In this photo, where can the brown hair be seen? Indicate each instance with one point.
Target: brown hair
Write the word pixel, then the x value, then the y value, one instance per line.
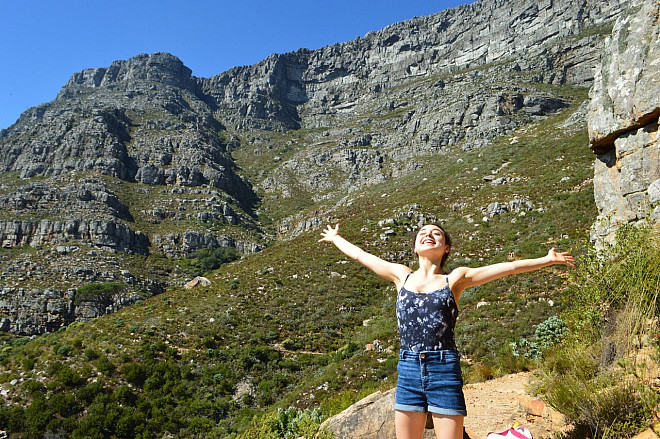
pixel 447 241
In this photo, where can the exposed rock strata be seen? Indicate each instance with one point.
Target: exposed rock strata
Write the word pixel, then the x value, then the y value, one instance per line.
pixel 60 198
pixel 37 311
pixel 623 123
pixel 104 234
pixel 185 244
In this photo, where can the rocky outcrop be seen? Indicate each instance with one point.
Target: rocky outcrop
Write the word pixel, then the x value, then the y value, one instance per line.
pixel 186 244
pixel 30 311
pixel 59 197
pixel 623 123
pixel 142 120
pixel 369 418
pixel 104 234
pixel 160 68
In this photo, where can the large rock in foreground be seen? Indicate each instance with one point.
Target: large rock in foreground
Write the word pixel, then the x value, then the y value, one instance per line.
pixel 623 124
pixel 369 418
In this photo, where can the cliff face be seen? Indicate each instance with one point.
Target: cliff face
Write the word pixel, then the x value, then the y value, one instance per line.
pixel 316 88
pixel 623 123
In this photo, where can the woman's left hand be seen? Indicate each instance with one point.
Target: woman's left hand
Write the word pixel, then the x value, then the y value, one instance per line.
pixel 561 258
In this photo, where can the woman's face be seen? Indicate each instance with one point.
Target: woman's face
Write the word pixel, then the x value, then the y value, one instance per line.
pixel 430 238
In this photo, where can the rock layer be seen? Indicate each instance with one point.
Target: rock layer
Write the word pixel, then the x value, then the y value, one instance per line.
pixel 30 311
pixel 103 234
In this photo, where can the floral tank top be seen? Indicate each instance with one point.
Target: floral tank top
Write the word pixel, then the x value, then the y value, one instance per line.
pixel 426 320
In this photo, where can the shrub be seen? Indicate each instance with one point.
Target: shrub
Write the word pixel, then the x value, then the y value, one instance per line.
pixel 135 373
pixel 29 363
pixel 64 350
pixel 288 424
pixel 91 354
pixel 33 387
pixel 104 365
pixel 551 331
pixel 124 395
pixel 69 377
pixel 211 259
pixel 479 372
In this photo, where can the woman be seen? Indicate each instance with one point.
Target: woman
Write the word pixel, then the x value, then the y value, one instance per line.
pixel 429 368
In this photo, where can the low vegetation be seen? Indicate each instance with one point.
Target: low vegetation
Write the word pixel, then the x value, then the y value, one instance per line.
pixel 603 376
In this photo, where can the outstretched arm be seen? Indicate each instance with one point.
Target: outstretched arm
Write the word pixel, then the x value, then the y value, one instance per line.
pixel 388 270
pixel 468 277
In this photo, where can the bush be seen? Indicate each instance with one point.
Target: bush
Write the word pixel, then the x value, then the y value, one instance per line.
pixel 548 333
pixel 288 424
pixel 64 350
pixel 211 259
pixel 551 332
pixel 69 377
pixel 135 373
pixel 104 365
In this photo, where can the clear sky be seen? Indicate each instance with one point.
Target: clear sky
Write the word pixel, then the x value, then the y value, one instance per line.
pixel 43 42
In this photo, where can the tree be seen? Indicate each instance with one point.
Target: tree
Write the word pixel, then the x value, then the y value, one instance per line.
pixel 99 295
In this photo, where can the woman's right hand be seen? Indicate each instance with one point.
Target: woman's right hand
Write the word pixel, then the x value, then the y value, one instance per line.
pixel 329 234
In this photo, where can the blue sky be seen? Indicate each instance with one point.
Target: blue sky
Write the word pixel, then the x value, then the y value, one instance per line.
pixel 43 42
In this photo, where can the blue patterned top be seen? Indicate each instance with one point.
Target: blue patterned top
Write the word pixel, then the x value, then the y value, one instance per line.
pixel 426 320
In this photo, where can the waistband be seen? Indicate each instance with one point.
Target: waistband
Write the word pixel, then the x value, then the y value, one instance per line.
pixel 449 354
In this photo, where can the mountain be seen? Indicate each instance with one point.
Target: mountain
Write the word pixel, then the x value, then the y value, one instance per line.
pixel 136 173
pixel 143 158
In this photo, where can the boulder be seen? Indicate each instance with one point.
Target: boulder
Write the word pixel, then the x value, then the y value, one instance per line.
pixel 199 281
pixel 369 418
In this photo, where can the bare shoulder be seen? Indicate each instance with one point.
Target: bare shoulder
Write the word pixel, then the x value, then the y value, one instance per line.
pixel 402 272
pixel 458 273
pixel 456 280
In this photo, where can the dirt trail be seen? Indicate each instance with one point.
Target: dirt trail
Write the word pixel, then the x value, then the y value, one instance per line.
pixel 496 404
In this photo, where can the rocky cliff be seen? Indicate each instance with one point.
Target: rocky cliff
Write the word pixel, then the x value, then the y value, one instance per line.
pixel 557 40
pixel 623 123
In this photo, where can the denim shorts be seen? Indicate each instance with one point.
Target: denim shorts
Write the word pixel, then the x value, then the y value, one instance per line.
pixel 430 382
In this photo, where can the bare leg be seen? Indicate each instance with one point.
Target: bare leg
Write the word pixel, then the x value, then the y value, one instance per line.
pixel 448 427
pixel 409 425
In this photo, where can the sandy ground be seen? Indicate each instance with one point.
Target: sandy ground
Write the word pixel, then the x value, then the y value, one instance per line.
pixel 496 404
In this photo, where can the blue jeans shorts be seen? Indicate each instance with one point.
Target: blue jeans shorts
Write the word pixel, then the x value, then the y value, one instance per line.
pixel 430 382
